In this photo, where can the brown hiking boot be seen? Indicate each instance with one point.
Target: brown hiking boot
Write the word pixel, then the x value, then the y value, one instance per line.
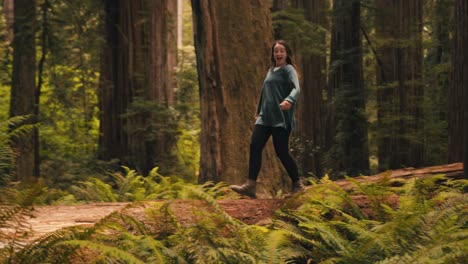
pixel 298 187
pixel 248 188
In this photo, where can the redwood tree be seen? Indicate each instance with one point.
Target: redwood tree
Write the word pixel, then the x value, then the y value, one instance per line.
pixel 136 87
pixel 232 41
pixel 458 96
pixel 458 89
pixel 24 96
pixel 349 154
pixel 399 76
pixel 311 104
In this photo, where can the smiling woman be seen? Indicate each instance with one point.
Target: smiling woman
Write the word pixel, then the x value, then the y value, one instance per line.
pixel 275 117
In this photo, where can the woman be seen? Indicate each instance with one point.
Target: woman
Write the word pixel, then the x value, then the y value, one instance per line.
pixel 275 117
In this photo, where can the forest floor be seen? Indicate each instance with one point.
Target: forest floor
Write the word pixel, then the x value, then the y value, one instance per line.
pixel 250 211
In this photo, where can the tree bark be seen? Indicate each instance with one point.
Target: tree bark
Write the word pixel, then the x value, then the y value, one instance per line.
pixel 8 11
pixel 280 5
pixel 137 86
pixel 310 129
pixel 437 82
pixel 458 95
pixel 232 41
pixel 400 96
pixel 24 96
pixel 350 152
pixel 458 89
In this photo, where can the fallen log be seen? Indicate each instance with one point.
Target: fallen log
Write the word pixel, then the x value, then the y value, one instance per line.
pixel 452 171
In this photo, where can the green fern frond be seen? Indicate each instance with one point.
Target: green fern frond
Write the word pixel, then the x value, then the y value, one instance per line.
pixel 134 224
pixel 94 189
pixel 335 197
pixel 276 240
pixel 147 248
pixel 14 216
pixel 375 193
pixel 165 208
pixel 108 251
pixel 406 259
pixel 19 126
pixel 211 201
pixel 44 249
pixel 296 234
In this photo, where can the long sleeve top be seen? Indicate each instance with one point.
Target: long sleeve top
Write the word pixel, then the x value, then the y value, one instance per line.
pixel 279 85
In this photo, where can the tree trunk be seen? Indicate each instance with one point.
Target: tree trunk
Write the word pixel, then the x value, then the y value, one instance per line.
pixel 231 68
pixel 400 117
pixel 280 5
pixel 180 22
pixel 310 130
pixel 137 86
pixel 350 152
pixel 8 12
pixel 24 96
pixel 459 89
pixel 437 62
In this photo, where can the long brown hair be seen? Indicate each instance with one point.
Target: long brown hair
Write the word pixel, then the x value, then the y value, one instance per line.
pixel 289 58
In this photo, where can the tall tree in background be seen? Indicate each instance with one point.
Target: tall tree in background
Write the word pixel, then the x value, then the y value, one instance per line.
pixel 136 87
pixel 280 5
pixel 458 89
pixel 462 14
pixel 400 117
pixel 9 17
pixel 231 68
pixel 310 106
pixel 24 96
pixel 437 69
pixel 458 95
pixel 350 154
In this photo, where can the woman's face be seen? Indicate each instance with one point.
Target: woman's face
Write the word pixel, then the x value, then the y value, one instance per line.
pixel 280 55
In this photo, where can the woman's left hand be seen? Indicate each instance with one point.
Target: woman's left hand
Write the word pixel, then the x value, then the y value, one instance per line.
pixel 285 105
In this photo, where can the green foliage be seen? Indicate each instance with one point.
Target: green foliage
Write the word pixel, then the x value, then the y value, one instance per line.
pixel 307 37
pixel 329 225
pixel 428 225
pixel 131 187
pixel 15 210
pixel 68 103
pixel 188 109
pixel 6 158
pixel 13 129
pixel 6 54
pixel 437 69
pixel 120 237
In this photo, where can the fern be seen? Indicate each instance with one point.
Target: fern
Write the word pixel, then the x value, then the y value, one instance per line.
pixel 132 187
pixel 17 129
pixel 212 201
pixel 429 226
pixel 17 209
pixel 45 250
pixel 94 190
pixel 108 251
pixel 376 194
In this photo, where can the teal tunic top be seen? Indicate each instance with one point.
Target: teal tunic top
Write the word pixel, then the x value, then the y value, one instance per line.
pixel 279 85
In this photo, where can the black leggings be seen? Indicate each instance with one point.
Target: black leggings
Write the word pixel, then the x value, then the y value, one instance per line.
pixel 260 136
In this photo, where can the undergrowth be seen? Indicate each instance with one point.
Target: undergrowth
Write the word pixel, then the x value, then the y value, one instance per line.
pixel 421 221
